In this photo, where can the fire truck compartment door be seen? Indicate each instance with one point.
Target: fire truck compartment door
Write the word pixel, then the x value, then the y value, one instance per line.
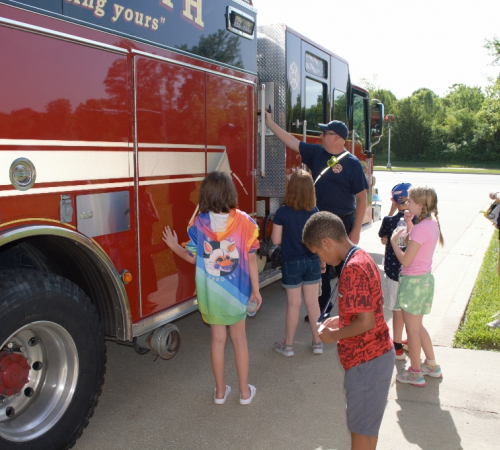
pixel 101 214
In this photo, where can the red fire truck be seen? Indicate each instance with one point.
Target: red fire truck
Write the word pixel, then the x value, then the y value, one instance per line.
pixel 111 115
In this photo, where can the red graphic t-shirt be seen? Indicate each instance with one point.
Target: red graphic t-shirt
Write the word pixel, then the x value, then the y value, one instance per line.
pixel 360 291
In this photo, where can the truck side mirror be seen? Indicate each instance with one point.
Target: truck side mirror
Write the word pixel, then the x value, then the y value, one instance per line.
pixel 376 119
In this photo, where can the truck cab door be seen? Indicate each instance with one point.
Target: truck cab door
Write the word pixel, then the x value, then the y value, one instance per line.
pixel 359 144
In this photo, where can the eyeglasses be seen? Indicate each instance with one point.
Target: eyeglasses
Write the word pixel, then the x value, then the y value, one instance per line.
pixel 330 133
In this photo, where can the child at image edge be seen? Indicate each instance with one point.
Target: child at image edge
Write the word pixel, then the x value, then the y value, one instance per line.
pixel 301 268
pixel 416 282
pixel 364 345
pixel 223 241
pixel 399 198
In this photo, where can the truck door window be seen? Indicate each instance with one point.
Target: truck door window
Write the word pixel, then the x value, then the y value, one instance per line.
pixel 339 106
pixel 315 105
pixel 316 66
pixel 358 119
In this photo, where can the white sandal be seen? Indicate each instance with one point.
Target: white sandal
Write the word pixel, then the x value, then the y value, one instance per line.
pixel 221 401
pixel 253 390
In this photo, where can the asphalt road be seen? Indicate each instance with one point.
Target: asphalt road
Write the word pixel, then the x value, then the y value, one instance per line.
pixel 299 404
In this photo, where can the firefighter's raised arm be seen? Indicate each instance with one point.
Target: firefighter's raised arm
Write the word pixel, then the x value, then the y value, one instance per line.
pixel 281 134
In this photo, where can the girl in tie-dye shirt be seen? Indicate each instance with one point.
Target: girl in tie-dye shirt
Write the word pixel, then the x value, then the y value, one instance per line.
pixel 223 241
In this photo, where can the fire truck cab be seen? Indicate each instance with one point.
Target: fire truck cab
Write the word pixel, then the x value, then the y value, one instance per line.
pixel 305 84
pixel 111 115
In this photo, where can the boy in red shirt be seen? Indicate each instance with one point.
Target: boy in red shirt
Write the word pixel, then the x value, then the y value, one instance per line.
pixel 364 344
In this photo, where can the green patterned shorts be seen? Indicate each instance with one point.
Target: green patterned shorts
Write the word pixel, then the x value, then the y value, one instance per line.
pixel 415 293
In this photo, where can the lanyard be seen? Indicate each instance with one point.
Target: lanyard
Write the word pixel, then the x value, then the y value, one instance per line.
pixel 348 256
pixel 333 161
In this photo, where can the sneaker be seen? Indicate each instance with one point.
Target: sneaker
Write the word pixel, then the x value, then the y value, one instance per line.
pixel 285 350
pixel 431 371
pixel 317 348
pixel 405 344
pixel 413 378
pixel 400 355
pixel 253 390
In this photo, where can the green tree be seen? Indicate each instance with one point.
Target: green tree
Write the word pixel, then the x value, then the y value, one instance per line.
pixel 494 47
pixel 412 133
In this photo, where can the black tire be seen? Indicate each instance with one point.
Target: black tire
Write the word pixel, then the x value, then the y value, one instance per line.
pixel 67 334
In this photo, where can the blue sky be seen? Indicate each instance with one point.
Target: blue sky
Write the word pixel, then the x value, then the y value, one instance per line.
pixel 400 45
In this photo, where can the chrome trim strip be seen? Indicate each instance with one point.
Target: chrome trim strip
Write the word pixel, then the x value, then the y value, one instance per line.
pixel 125 330
pixel 263 131
pixel 136 186
pixel 40 142
pixel 81 187
pixel 62 36
pixel 191 66
pixel 44 142
pixel 175 180
pixel 176 312
pixel 197 146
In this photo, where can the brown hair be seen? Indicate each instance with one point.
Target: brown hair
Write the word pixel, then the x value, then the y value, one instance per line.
pixel 323 225
pixel 217 193
pixel 300 191
pixel 426 197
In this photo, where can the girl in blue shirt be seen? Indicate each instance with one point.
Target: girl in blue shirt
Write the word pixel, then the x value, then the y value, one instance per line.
pixel 301 268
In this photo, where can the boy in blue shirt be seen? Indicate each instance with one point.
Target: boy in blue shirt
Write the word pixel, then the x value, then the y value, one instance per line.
pixel 399 199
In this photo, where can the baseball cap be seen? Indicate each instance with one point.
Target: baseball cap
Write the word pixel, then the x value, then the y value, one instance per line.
pixel 336 126
pixel 399 191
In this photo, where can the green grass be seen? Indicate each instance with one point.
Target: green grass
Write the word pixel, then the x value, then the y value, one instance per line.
pixel 473 333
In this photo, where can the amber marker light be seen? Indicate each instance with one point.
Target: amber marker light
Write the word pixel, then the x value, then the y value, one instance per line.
pixel 126 276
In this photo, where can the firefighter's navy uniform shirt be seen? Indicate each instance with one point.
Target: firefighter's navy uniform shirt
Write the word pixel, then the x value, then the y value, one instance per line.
pixel 336 188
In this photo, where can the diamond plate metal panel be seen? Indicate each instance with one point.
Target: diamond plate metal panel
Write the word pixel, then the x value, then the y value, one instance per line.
pixel 271 66
pixel 274 204
pixel 261 208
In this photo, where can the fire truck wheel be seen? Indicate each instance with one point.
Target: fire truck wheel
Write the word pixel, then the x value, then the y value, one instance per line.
pixel 52 360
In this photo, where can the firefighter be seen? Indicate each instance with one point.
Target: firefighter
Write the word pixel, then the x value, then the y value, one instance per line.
pixel 340 184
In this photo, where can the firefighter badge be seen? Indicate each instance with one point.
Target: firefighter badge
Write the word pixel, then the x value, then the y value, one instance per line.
pixel 337 168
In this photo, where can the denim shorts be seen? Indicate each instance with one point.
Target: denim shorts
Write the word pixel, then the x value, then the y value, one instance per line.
pixel 300 271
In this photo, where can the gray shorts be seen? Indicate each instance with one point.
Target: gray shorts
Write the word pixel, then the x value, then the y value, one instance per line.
pixel 367 388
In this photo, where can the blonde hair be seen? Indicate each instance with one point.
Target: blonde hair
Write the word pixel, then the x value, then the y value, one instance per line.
pixel 426 197
pixel 300 191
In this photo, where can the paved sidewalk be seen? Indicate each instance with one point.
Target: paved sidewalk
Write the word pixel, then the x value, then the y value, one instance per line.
pixel 300 401
pixel 462 409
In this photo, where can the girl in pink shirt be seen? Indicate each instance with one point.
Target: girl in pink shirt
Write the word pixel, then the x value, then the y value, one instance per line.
pixel 416 283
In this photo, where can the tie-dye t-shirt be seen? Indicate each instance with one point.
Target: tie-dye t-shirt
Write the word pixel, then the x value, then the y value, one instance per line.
pixel 360 291
pixel 222 271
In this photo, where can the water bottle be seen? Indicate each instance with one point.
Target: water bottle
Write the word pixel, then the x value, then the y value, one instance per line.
pixel 401 238
pixel 251 308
